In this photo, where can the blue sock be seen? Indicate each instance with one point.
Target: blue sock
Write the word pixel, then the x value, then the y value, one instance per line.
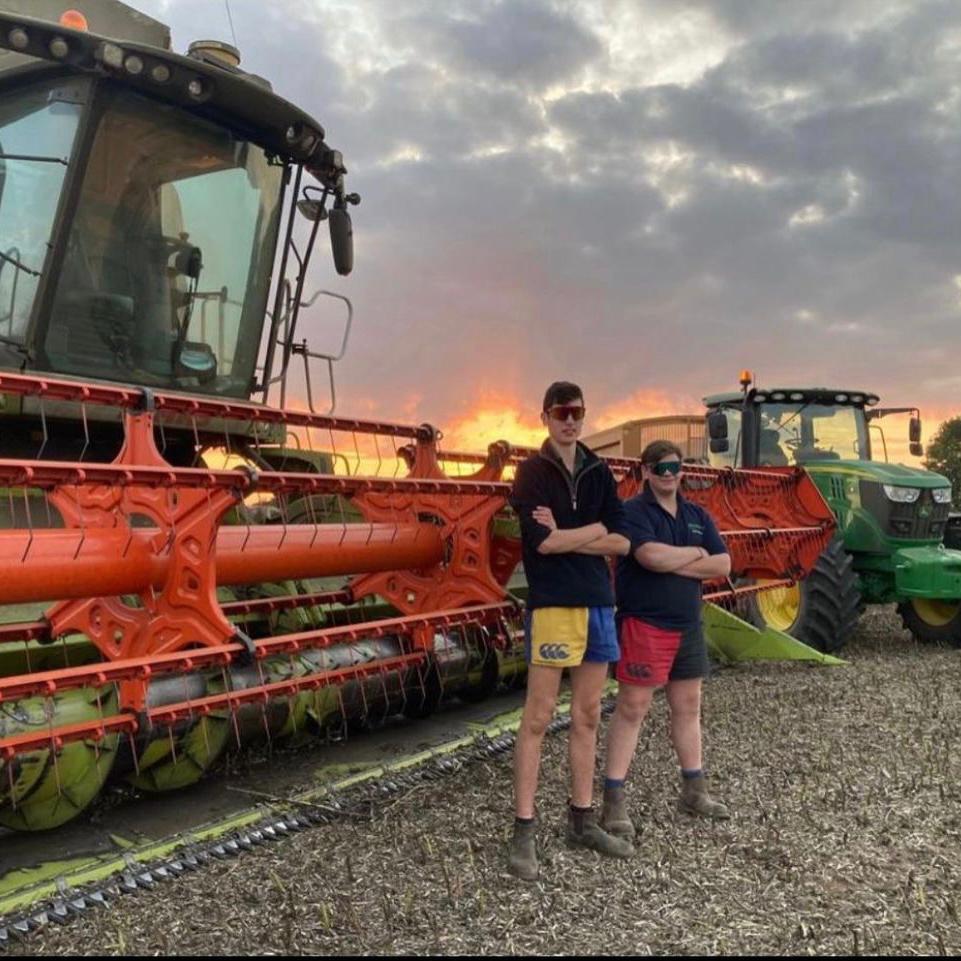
pixel 612 782
pixel 690 775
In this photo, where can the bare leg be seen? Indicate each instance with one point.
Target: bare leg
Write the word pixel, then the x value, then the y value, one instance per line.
pixel 587 686
pixel 633 703
pixel 542 686
pixel 684 698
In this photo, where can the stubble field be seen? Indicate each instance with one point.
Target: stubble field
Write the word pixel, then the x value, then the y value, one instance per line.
pixel 846 836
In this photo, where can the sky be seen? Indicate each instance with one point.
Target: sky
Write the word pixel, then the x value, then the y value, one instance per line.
pixel 642 196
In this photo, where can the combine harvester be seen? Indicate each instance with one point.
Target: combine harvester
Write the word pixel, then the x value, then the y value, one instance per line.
pixel 186 567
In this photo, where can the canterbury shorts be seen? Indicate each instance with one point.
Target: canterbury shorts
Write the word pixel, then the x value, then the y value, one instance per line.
pixel 568 636
pixel 651 656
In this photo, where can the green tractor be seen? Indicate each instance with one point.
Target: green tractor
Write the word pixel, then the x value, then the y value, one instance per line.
pixel 891 518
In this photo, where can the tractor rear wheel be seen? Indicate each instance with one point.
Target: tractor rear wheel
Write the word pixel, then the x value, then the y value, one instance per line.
pixel 932 621
pixel 821 611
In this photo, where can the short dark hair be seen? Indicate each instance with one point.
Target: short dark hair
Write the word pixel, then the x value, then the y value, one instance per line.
pixel 561 392
pixel 657 450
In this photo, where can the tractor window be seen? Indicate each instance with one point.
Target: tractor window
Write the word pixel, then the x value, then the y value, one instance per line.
pixel 37 128
pixel 800 433
pixel 169 258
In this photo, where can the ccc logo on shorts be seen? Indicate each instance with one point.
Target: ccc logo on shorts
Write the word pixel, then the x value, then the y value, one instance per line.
pixel 554 652
pixel 639 671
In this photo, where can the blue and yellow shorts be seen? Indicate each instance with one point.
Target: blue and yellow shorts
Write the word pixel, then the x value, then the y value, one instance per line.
pixel 568 636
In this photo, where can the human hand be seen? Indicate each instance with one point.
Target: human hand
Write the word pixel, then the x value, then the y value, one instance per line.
pixel 544 515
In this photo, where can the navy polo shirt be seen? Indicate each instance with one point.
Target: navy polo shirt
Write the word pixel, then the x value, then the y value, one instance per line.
pixel 669 601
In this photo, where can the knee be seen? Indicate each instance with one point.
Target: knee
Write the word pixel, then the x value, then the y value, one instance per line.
pixel 585 717
pixel 686 709
pixel 536 719
pixel 633 710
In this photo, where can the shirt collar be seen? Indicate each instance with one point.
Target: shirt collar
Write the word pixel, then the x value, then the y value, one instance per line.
pixel 582 455
pixel 647 496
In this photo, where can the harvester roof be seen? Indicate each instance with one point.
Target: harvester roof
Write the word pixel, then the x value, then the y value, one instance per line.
pixel 199 83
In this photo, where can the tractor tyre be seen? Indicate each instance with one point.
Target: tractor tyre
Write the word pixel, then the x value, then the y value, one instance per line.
pixel 821 611
pixel 932 621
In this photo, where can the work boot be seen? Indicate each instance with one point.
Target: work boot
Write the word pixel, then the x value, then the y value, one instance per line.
pixel 614 817
pixel 695 800
pixel 522 862
pixel 583 831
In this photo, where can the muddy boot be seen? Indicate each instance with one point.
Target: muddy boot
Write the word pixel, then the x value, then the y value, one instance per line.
pixel 522 862
pixel 695 800
pixel 583 831
pixel 614 817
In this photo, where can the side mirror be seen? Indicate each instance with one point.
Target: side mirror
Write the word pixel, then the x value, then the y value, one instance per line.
pixel 720 445
pixel 341 240
pixel 914 430
pixel 717 426
pixel 189 261
pixel 916 449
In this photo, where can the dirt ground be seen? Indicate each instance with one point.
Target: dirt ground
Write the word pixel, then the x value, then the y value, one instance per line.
pixel 845 839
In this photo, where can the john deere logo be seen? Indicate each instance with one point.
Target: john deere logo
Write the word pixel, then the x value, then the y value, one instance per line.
pixel 924 510
pixel 554 652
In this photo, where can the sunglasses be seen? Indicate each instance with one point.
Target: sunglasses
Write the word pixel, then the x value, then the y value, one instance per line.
pixel 563 411
pixel 666 467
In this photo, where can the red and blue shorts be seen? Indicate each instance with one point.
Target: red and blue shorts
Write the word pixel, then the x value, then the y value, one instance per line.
pixel 651 656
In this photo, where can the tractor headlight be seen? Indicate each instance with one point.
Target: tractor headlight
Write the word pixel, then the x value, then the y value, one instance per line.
pixel 902 495
pixel 941 495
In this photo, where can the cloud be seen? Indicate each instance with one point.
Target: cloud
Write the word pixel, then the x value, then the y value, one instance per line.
pixel 640 195
pixel 507 41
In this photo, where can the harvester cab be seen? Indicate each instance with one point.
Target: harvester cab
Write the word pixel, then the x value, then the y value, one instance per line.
pixel 891 517
pixel 142 197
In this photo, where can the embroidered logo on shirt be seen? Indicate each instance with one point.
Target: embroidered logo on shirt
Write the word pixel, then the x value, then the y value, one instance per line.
pixel 695 528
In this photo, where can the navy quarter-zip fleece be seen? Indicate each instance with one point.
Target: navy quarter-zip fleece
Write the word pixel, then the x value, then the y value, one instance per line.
pixel 589 496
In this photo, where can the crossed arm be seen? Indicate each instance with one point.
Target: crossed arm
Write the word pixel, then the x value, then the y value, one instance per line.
pixel 589 539
pixel 687 561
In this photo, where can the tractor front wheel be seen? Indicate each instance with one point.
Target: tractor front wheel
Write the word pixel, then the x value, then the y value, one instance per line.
pixel 821 611
pixel 932 621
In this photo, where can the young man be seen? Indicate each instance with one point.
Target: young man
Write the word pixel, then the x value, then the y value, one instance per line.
pixel 674 547
pixel 571 519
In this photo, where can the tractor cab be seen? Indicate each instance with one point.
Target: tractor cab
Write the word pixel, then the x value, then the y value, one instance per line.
pixel 142 195
pixel 795 427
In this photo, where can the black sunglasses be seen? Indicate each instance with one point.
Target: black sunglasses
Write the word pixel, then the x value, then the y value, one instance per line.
pixel 665 467
pixel 563 411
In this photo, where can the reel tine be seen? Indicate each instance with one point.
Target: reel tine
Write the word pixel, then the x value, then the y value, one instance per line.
pixel 159 425
pixel 173 744
pixel 263 707
pixel 14 800
pixel 29 519
pixel 133 753
pixel 358 462
pixel 228 686
pixel 382 676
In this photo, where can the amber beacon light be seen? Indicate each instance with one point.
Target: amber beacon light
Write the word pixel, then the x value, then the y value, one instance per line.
pixel 73 20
